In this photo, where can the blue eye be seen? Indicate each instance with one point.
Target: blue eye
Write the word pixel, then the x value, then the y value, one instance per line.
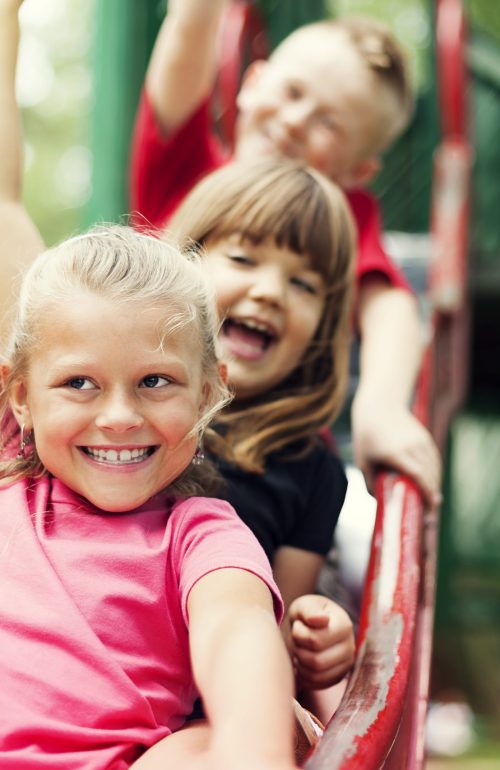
pixel 80 383
pixel 155 381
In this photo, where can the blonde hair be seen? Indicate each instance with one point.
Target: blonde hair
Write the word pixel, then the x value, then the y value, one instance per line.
pixel 298 208
pixel 115 262
pixel 386 60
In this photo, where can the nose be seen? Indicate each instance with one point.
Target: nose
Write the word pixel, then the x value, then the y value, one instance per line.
pixel 269 286
pixel 295 115
pixel 118 414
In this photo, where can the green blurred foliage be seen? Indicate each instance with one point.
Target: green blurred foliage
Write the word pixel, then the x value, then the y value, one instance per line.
pixel 409 19
pixel 55 92
pixel 484 16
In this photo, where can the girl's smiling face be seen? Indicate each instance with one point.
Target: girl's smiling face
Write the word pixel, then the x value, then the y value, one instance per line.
pixel 112 402
pixel 271 303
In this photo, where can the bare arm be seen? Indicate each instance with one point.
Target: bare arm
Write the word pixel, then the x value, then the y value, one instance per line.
pixel 183 64
pixel 20 241
pixel 318 632
pixel 242 670
pixel 384 429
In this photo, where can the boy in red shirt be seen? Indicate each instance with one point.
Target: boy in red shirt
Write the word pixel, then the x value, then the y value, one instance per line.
pixel 334 94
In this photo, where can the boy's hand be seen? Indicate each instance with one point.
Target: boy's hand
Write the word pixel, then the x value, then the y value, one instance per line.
pixel 320 639
pixel 394 437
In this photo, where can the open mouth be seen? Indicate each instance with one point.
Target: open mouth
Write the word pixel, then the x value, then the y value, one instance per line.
pixel 118 456
pixel 247 337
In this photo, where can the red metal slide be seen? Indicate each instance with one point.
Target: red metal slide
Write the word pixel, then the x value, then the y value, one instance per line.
pixel 381 720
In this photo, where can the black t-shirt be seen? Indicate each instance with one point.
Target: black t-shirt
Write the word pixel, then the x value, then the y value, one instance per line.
pixel 295 502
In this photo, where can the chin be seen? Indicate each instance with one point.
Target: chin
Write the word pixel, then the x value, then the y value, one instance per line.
pixel 116 505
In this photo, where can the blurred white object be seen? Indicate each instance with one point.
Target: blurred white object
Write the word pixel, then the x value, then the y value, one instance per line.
pixel 449 730
pixel 353 533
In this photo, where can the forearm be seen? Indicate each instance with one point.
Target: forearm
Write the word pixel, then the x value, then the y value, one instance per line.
pixel 249 652
pixel 391 345
pixel 242 671
pixel 384 430
pixel 10 123
pixel 183 64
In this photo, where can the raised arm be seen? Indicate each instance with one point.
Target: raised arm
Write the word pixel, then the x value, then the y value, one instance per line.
pixel 183 64
pixel 385 432
pixel 20 241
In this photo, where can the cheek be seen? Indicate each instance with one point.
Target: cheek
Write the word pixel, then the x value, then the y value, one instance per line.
pixel 179 421
pixel 307 322
pixel 323 154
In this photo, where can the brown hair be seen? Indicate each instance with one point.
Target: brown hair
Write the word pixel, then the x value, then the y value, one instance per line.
pixel 298 208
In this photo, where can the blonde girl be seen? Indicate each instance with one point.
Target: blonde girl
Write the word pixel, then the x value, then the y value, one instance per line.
pixel 122 595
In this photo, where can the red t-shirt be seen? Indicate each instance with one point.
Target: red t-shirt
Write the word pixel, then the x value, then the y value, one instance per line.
pixel 164 169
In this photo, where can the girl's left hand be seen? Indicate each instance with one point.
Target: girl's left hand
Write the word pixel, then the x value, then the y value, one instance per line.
pixel 320 641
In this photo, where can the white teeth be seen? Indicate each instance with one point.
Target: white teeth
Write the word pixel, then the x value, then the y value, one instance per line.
pixel 118 456
pixel 257 325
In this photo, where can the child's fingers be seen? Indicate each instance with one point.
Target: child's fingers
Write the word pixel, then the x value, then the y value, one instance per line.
pixel 306 637
pixel 320 670
pixel 312 609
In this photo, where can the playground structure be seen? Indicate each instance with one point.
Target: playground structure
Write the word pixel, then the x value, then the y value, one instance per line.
pixel 380 722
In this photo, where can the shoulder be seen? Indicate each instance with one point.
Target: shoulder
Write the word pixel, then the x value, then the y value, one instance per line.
pixel 193 508
pixel 364 205
pixel 316 460
pixel 207 522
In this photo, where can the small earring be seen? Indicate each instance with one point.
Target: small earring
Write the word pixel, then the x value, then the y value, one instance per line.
pixel 24 441
pixel 198 457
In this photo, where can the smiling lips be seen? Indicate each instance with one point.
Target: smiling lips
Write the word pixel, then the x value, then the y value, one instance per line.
pixel 248 338
pixel 119 456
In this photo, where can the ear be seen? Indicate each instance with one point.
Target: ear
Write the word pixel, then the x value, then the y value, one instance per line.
pixel 206 392
pixel 251 77
pixel 5 370
pixel 363 173
pixel 223 372
pixel 18 399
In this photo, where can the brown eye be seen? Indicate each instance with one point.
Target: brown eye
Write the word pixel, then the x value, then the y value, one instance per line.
pixel 306 286
pixel 241 259
pixel 293 91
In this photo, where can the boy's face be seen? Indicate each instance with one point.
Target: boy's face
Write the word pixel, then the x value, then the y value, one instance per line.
pixel 315 101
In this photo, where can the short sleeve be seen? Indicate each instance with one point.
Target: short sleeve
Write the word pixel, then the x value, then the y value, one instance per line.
pixel 372 258
pixel 163 169
pixel 208 535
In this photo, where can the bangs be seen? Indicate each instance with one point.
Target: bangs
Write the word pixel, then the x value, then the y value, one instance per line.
pixel 284 201
pixel 300 222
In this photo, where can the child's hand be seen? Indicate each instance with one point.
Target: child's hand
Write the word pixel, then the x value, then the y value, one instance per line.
pixel 320 640
pixel 394 437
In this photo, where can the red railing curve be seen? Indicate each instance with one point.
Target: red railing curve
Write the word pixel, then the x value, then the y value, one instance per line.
pixel 381 720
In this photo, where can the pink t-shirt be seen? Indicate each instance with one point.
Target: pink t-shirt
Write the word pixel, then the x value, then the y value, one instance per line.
pixel 164 169
pixel 94 656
